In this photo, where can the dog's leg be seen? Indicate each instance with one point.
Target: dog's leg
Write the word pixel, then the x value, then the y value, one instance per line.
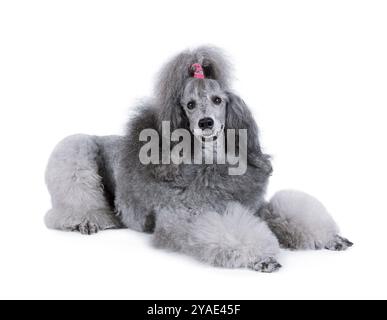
pixel 78 199
pixel 230 239
pixel 301 222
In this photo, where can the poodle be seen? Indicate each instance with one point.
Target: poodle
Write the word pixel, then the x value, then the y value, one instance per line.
pixel 195 206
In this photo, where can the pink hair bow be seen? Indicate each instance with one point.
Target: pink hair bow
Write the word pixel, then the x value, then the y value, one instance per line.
pixel 198 71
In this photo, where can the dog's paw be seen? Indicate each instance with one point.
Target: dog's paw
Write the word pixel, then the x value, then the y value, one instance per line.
pixel 339 244
pixel 87 228
pixel 267 265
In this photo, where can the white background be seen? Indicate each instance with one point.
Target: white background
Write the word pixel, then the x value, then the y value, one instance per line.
pixel 314 74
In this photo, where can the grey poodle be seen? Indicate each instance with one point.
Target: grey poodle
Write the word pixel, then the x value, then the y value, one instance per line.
pixel 200 209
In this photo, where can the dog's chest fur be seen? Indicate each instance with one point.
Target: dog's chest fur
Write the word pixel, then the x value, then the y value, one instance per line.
pixel 212 186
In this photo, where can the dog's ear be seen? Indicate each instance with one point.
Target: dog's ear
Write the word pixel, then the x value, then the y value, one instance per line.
pixel 179 119
pixel 169 88
pixel 239 116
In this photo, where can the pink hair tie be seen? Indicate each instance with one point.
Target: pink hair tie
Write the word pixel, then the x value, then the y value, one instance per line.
pixel 198 71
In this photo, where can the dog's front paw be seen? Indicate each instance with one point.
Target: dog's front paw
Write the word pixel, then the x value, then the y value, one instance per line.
pixel 339 244
pixel 86 227
pixel 267 265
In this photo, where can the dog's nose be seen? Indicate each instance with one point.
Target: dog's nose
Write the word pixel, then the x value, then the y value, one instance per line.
pixel 206 123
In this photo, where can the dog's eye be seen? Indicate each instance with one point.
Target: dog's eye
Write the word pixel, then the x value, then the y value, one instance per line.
pixel 217 100
pixel 191 105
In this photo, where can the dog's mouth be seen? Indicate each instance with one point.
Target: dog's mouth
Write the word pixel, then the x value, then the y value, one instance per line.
pixel 208 134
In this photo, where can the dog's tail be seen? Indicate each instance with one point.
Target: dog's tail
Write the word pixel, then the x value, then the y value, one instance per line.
pixel 300 221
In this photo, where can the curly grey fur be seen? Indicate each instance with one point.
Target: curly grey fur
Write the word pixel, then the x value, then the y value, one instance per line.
pixel 98 183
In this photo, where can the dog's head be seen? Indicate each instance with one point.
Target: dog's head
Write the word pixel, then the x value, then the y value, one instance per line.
pixel 204 104
pixel 193 92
